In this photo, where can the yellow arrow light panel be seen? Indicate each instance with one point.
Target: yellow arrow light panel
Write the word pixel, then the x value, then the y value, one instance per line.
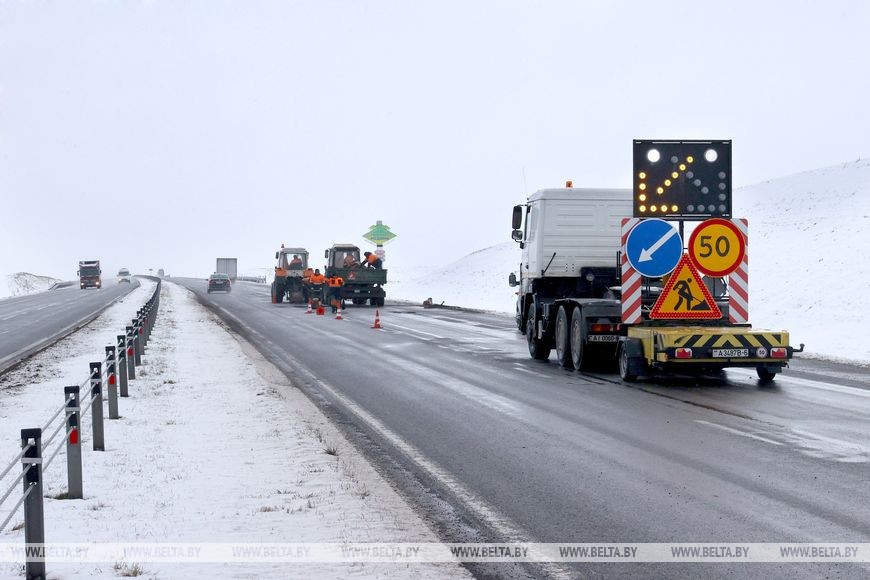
pixel 688 180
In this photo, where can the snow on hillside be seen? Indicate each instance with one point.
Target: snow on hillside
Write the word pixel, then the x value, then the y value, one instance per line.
pixel 25 283
pixel 806 235
pixel 479 280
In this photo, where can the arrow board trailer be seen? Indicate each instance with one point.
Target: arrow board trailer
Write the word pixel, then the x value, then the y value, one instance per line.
pixel 645 308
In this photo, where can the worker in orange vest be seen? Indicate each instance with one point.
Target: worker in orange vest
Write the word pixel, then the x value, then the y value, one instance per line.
pixel 372 261
pixel 335 284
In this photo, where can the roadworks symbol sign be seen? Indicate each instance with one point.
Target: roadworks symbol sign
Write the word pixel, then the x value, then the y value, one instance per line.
pixel 685 296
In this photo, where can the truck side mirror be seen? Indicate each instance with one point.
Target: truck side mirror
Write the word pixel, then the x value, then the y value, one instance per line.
pixel 517 236
pixel 512 280
pixel 326 254
pixel 517 221
pixel 276 255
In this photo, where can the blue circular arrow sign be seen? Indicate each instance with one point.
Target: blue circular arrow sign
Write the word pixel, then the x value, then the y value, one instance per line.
pixel 653 247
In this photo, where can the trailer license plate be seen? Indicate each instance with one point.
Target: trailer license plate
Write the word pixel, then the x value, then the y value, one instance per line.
pixel 603 338
pixel 730 352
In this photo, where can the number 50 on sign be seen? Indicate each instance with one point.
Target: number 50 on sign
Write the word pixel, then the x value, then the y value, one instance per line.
pixel 717 247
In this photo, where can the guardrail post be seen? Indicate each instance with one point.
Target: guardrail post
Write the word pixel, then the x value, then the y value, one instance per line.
pixel 143 325
pixel 131 358
pixel 34 518
pixel 73 443
pixel 97 406
pixel 112 379
pixel 122 364
pixel 138 349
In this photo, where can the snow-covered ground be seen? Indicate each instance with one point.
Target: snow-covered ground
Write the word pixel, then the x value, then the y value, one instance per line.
pixel 213 445
pixel 22 283
pixel 807 274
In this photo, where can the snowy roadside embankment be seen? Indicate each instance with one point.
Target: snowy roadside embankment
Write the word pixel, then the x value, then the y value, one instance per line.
pixel 23 283
pixel 478 280
pixel 213 445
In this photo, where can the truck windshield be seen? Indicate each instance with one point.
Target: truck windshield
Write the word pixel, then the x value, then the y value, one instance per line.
pixel 345 258
pixel 294 261
pixel 89 271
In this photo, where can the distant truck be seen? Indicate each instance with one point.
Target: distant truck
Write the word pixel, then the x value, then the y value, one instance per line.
pixel 289 271
pixel 89 274
pixel 161 273
pixel 360 284
pixel 228 266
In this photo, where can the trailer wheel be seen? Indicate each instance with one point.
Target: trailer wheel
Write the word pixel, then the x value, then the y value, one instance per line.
pixel 537 349
pixel 563 339
pixel 578 340
pixel 765 375
pixel 626 373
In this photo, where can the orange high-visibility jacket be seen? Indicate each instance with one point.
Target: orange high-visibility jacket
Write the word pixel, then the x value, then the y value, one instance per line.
pixel 317 279
pixel 336 281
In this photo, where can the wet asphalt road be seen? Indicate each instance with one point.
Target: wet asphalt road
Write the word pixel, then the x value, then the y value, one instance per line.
pixel 493 446
pixel 30 323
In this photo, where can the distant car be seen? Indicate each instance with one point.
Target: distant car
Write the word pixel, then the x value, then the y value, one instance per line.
pixel 219 282
pixel 124 276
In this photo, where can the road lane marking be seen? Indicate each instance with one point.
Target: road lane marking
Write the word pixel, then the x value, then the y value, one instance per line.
pixel 738 432
pixel 522 370
pixel 501 524
pixel 855 391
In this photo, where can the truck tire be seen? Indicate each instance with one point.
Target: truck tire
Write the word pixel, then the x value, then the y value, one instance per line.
pixel 765 375
pixel 537 349
pixel 521 322
pixel 626 370
pixel 579 357
pixel 563 338
pixel 380 301
pixel 279 292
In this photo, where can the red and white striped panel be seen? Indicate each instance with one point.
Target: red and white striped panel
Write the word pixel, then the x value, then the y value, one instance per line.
pixel 631 280
pixel 738 281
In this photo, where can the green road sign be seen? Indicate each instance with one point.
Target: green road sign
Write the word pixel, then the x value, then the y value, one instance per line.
pixel 379 234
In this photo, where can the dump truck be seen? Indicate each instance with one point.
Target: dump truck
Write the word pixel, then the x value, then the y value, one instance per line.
pixel 361 284
pixel 289 275
pixel 89 274
pixel 606 280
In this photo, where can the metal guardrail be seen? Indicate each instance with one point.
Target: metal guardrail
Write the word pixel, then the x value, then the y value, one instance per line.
pixel 114 371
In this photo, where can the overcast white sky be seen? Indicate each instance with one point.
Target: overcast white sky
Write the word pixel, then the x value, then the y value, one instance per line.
pixel 218 128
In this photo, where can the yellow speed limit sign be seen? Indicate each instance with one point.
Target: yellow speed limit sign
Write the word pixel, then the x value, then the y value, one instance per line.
pixel 717 247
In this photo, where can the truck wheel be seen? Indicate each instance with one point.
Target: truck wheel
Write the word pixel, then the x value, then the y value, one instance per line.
pixel 765 375
pixel 358 301
pixel 521 323
pixel 563 339
pixel 537 349
pixel 380 301
pixel 578 341
pixel 625 371
pixel 279 293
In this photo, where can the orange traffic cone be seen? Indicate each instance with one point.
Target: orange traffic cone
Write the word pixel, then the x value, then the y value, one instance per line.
pixel 309 311
pixel 377 323
pixel 338 313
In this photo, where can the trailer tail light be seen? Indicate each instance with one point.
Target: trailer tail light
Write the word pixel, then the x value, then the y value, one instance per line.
pixel 778 352
pixel 683 353
pixel 604 328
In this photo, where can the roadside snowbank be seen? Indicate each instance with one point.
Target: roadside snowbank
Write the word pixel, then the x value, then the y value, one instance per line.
pixel 23 283
pixel 213 445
